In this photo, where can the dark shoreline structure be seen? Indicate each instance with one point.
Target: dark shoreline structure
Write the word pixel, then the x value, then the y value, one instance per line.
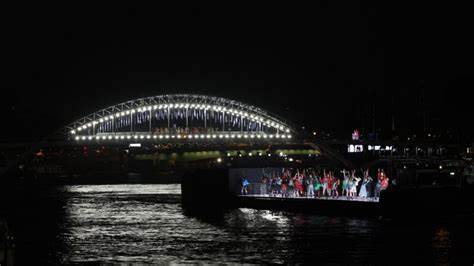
pixel 208 191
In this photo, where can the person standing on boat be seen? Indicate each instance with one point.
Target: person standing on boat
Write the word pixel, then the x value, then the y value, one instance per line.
pixel 363 187
pixel 335 186
pixel 291 186
pixel 345 183
pixel 378 186
pixel 245 184
pixel 310 186
pixel 263 185
pixel 317 186
pixel 354 184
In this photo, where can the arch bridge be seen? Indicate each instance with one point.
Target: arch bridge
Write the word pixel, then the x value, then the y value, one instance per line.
pixel 180 118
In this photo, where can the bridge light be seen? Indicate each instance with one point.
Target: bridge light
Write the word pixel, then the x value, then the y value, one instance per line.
pixel 219 160
pixel 97 137
pixel 259 154
pixel 232 136
pixel 288 131
pixel 208 136
pixel 173 136
pixel 76 138
pixel 148 137
pixel 281 154
pixel 270 136
pixel 142 137
pixel 161 136
pixel 277 136
pixel 252 136
pixel 186 105
pixel 117 115
pixel 101 120
pixel 264 136
pixel 109 137
pixel 208 106
pixel 221 136
pixel 135 137
pixel 73 132
pixel 290 159
pixel 178 136
pixel 122 137
pixel 190 136
pixel 288 136
pixel 167 136
pixel 116 137
pixel 259 136
pixel 246 136
pixel 202 136
pixel 149 108
pixel 127 112
pixel 269 154
pixel 283 136
pixel 239 136
pixel 228 154
pixel 250 154
pixel 214 136
pixel 132 111
pixel 155 136
pixel 226 136
pixel 104 137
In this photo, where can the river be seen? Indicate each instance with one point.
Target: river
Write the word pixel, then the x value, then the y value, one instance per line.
pixel 146 224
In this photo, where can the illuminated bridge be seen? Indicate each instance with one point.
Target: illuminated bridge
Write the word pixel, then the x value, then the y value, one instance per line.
pixel 180 118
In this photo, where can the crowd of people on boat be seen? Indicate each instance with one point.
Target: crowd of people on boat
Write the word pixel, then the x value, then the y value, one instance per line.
pixel 294 183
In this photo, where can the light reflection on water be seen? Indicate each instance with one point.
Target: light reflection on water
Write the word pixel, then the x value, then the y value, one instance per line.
pixel 145 223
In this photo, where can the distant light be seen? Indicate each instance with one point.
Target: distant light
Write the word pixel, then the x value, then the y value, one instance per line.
pixel 219 160
pixel 452 173
pixel 290 159
pixel 250 154
pixel 269 155
pixel 440 167
pixel 76 138
pixel 135 145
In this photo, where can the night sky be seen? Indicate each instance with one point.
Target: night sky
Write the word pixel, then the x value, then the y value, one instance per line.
pixel 327 66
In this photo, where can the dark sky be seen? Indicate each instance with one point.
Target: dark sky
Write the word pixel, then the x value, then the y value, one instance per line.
pixel 323 66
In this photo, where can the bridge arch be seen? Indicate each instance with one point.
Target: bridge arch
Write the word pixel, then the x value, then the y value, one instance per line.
pixel 179 116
